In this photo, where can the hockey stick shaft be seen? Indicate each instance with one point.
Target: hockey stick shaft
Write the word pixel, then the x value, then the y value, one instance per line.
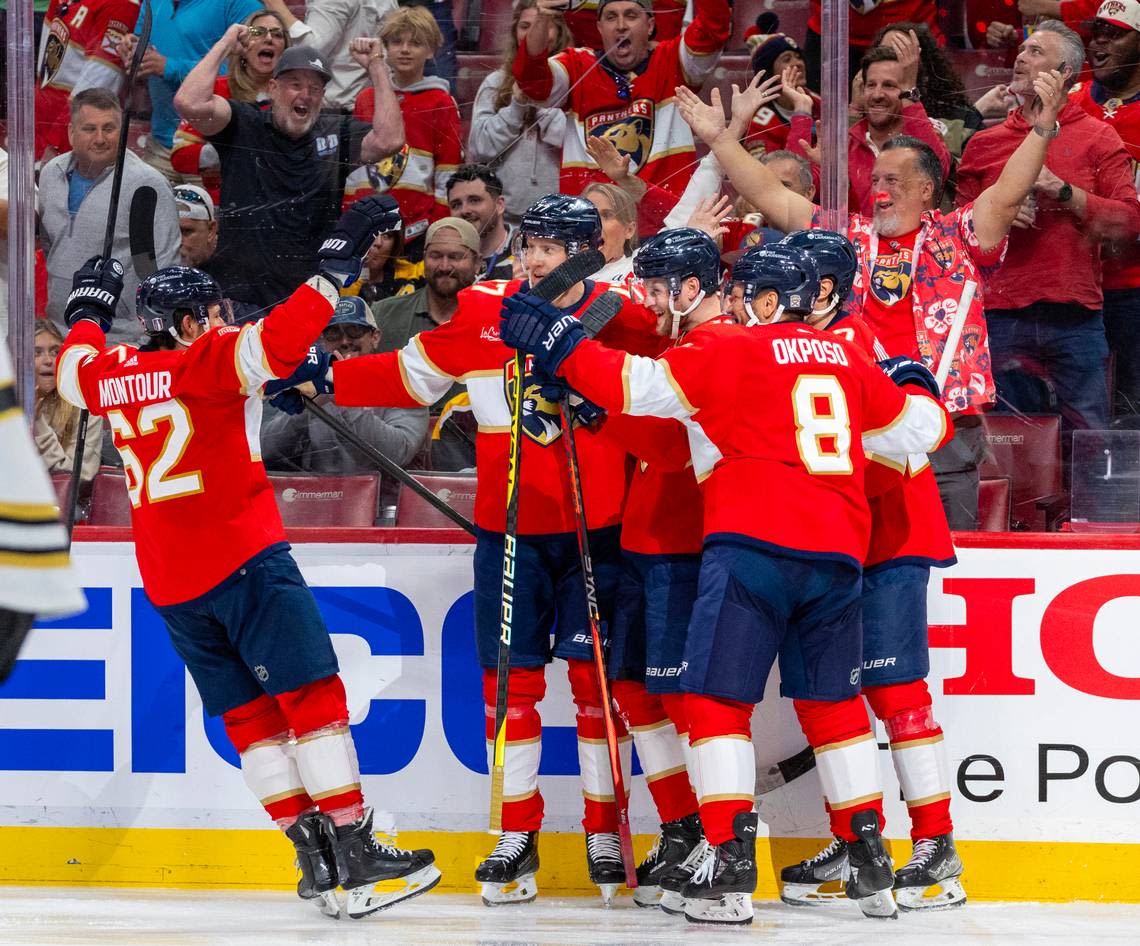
pixel 955 336
pixel 388 465
pixel 621 800
pixel 108 241
pixel 562 278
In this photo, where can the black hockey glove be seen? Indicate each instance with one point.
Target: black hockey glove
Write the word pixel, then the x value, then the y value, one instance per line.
pixel 557 391
pixel 95 291
pixel 355 232
pixel 316 368
pixel 533 325
pixel 903 371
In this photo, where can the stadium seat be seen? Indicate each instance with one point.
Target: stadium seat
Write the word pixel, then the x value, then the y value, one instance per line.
pixel 327 501
pixel 993 504
pixel 1027 449
pixel 110 505
pixel 981 69
pixel 455 489
pixel 60 483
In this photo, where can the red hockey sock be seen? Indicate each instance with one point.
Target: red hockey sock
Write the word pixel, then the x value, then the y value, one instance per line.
pixel 720 732
pixel 658 748
pixel 593 750
pixel 847 758
pixel 522 801
pixel 918 753
pixel 326 755
pixel 260 734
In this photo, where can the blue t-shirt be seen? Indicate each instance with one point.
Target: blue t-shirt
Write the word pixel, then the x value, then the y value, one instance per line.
pixel 78 187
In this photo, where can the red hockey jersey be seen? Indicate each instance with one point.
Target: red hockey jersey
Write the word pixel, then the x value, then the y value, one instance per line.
pixel 417 174
pixel 788 410
pixel 770 126
pixel 77 51
pixel 908 523
pixel 187 424
pixel 468 349
pixel 635 111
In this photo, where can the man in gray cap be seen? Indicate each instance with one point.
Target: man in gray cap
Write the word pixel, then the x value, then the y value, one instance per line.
pixel 301 442
pixel 283 167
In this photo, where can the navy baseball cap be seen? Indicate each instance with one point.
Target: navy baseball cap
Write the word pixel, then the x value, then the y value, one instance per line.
pixel 352 310
pixel 302 57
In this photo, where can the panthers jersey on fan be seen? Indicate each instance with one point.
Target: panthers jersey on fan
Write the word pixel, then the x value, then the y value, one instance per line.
pixel 468 348
pixel 788 410
pixel 187 425
pixel 78 50
pixel 635 111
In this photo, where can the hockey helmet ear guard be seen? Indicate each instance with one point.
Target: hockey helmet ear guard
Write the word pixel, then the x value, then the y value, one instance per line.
pixel 785 269
pixel 676 255
pixel 572 221
pixel 167 295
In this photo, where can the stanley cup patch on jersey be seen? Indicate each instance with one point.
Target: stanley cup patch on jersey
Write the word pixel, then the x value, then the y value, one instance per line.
pixel 629 129
pixel 541 419
pixel 891 275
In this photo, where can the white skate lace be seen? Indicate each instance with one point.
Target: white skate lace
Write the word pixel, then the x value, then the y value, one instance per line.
pixel 696 856
pixel 707 867
pixel 924 850
pixel 836 845
pixel 603 847
pixel 654 852
pixel 509 846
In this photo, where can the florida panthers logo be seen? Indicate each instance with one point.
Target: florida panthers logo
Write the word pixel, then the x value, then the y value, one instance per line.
pixel 891 277
pixel 944 254
pixel 54 50
pixel 387 173
pixel 629 129
pixel 541 419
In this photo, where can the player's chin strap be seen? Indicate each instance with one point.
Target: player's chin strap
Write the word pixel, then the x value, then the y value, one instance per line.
pixel 753 319
pixel 678 316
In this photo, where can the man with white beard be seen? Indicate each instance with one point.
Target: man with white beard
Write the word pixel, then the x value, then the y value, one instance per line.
pixel 283 167
pixel 913 259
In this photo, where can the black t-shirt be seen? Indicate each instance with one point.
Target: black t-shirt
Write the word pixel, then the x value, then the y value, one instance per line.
pixel 280 199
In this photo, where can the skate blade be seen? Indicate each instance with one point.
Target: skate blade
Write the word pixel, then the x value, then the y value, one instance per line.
pixel 672 903
pixel 731 909
pixel 521 890
pixel 945 895
pixel 364 901
pixel 879 906
pixel 647 896
pixel 813 895
pixel 328 904
pixel 608 892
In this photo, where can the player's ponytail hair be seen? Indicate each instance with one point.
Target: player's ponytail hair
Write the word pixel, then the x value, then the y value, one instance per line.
pixel 562 39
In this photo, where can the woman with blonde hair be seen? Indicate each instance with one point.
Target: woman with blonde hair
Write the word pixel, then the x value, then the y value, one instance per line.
pixel 619 230
pixel 248 71
pixel 521 141
pixel 56 421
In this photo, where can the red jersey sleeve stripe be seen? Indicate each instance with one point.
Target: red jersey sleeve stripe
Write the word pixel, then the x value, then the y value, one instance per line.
pixel 424 381
pixel 67 373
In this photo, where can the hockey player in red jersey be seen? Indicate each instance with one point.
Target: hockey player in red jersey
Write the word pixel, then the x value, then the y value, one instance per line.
pixel 778 580
pixel 549 591
pixel 624 91
pixel 909 536
pixel 185 413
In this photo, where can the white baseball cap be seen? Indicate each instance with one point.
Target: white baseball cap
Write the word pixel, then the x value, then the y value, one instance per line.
pixel 193 202
pixel 1122 13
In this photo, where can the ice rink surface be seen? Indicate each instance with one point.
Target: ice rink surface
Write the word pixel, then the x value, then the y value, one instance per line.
pixel 98 916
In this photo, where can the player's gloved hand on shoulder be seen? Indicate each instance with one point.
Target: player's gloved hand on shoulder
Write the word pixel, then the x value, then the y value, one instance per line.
pixel 533 325
pixel 557 391
pixel 903 371
pixel 583 411
pixel 289 401
pixel 341 253
pixel 95 290
pixel 315 368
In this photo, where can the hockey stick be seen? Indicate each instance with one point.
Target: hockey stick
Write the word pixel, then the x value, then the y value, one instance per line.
pixel 964 302
pixel 108 241
pixel 563 277
pixel 390 467
pixel 780 774
pixel 621 800
pixel 140 230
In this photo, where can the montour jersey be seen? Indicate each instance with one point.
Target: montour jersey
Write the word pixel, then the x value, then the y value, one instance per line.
pixel 187 425
pixel 468 349
pixel 789 411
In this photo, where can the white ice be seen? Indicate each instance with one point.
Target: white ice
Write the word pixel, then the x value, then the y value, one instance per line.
pixel 38 916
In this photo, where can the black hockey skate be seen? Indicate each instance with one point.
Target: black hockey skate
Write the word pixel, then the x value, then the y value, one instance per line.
pixel 675 843
pixel 929 881
pixel 603 859
pixel 871 877
pixel 675 880
pixel 314 837
pixel 365 862
pixel 507 875
pixel 804 884
pixel 721 888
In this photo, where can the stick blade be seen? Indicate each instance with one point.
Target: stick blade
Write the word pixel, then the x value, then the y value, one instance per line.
pixel 141 231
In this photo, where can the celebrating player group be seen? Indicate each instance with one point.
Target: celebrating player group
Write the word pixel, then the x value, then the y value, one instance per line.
pixel 682 480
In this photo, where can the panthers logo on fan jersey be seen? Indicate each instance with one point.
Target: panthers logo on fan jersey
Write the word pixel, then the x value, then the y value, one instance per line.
pixel 54 50
pixel 387 173
pixel 541 419
pixel 628 129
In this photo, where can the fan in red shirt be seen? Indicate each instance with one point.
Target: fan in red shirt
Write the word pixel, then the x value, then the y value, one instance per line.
pixel 185 412
pixel 777 581
pixel 774 54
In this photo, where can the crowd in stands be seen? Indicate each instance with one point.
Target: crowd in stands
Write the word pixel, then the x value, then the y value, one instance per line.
pixel 257 122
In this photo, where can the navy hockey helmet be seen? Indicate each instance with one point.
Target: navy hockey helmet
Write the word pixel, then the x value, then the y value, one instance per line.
pixel 163 298
pixel 678 254
pixel 572 221
pixel 781 267
pixel 834 256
